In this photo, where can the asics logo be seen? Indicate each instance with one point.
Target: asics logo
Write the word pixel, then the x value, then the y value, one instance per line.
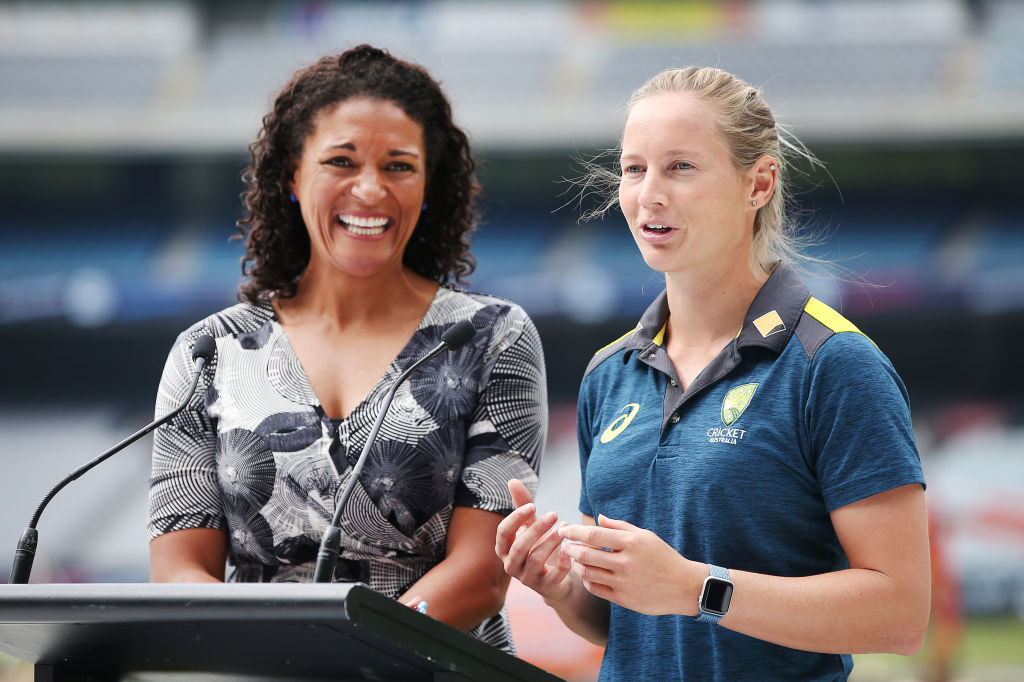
pixel 620 423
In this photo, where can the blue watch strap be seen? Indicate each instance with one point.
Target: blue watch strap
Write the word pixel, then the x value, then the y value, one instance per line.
pixel 702 615
pixel 719 572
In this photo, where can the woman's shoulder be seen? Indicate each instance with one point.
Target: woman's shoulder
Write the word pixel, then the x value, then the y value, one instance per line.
pixel 845 356
pixel 474 305
pixel 240 318
pixel 498 319
pixel 823 331
pixel 851 353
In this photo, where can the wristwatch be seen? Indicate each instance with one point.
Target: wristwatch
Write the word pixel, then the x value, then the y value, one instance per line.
pixel 715 595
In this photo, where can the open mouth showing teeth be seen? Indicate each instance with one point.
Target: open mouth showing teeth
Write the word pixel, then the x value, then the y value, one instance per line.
pixel 658 228
pixel 364 227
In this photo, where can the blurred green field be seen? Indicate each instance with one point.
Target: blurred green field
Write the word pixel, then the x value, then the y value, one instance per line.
pixel 990 650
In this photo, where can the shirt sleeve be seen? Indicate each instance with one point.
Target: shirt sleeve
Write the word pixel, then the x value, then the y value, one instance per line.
pixel 585 441
pixel 858 421
pixel 509 426
pixel 183 488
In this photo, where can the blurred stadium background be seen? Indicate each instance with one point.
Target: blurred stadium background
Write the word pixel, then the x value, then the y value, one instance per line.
pixel 123 133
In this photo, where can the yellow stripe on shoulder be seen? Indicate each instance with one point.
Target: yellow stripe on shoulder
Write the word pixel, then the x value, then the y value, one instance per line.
pixel 830 318
pixel 626 335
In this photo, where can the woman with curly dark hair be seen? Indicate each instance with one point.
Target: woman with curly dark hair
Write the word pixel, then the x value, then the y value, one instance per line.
pixel 360 203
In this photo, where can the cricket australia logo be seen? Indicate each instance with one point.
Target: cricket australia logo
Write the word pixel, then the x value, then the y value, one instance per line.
pixel 733 405
pixel 736 402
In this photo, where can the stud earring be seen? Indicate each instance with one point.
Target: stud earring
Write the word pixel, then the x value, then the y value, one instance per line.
pixel 424 206
pixel 291 198
pixel 771 167
pixel 753 203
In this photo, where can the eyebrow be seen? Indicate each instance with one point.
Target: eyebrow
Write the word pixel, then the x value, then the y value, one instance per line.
pixel 394 152
pixel 670 152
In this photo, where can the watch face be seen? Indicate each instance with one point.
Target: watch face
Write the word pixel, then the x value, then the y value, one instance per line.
pixel 716 596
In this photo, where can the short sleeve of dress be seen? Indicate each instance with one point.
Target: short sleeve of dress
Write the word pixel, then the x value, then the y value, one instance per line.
pixel 858 420
pixel 506 436
pixel 183 489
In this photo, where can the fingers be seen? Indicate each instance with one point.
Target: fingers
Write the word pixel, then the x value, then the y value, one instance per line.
pixel 520 494
pixel 522 539
pixel 545 550
pixel 595 536
pixel 510 527
pixel 591 557
pixel 547 566
pixel 599 589
pixel 533 555
pixel 617 524
pixel 529 545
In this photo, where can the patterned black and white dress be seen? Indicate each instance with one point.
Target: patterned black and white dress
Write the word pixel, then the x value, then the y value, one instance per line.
pixel 256 456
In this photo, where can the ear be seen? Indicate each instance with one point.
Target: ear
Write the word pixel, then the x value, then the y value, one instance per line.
pixel 292 183
pixel 764 174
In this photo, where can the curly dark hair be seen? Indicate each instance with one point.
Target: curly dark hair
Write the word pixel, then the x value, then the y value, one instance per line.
pixel 277 243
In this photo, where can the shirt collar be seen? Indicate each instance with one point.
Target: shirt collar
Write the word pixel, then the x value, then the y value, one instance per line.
pixel 772 317
pixel 650 330
pixel 769 322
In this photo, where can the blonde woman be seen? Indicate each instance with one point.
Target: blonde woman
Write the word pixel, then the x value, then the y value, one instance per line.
pixel 753 501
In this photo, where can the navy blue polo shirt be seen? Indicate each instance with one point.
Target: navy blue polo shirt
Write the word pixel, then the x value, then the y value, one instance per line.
pixel 799 415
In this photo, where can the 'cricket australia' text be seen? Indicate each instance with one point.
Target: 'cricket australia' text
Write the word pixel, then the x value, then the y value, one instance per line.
pixel 721 435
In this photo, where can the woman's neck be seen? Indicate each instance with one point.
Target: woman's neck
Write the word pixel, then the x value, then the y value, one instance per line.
pixel 705 309
pixel 357 301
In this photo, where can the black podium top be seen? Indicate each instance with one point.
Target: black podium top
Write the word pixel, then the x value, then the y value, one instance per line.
pixel 240 631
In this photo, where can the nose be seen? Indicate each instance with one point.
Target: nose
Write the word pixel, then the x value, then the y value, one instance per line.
pixel 369 185
pixel 651 192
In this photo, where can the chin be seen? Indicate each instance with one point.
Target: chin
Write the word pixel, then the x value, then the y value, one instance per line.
pixel 658 262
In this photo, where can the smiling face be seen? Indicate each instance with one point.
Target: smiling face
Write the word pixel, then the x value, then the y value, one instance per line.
pixel 360 184
pixel 688 207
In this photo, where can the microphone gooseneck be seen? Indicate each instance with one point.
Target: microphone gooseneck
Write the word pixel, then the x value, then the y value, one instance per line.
pixel 330 546
pixel 202 353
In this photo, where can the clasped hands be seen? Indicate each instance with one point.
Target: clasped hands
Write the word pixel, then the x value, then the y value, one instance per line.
pixel 615 560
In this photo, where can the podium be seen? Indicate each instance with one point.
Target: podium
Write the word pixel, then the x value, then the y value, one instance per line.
pixel 238 631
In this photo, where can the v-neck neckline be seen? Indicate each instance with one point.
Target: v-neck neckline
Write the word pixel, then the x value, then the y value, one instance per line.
pixel 307 385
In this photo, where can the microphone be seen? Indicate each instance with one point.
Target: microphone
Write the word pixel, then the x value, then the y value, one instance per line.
pixel 202 353
pixel 327 558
